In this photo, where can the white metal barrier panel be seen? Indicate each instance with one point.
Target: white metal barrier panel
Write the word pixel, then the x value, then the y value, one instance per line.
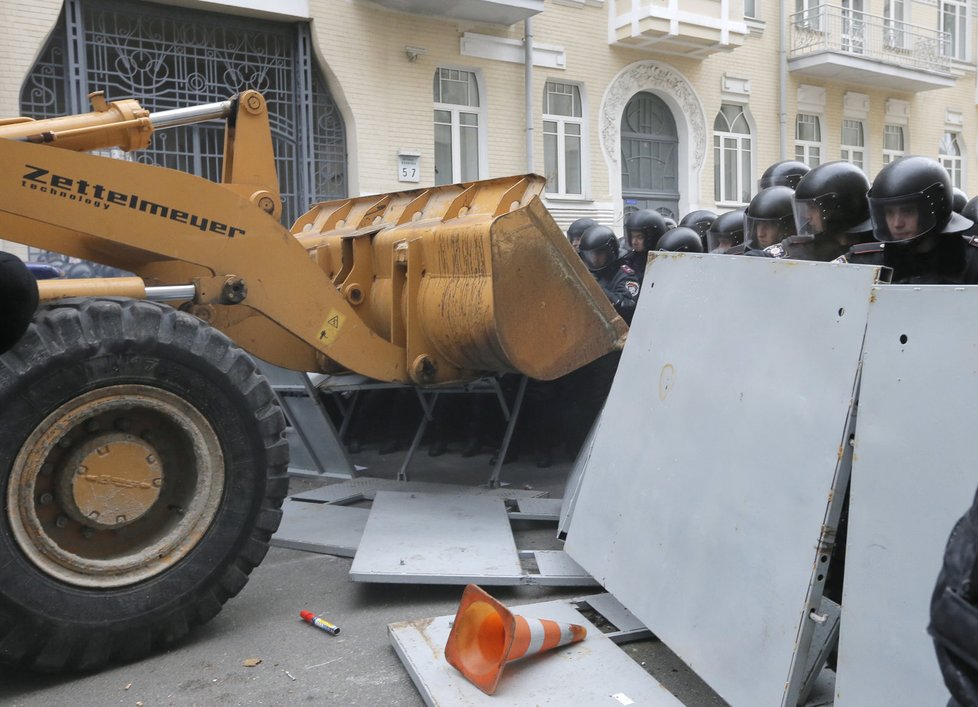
pixel 913 475
pixel 714 465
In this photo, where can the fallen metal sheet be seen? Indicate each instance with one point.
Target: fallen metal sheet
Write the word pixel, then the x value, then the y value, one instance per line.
pixel 703 500
pixel 592 672
pixel 912 478
pixel 321 527
pixel 627 627
pixel 547 509
pixel 364 488
pixel 422 538
pixel 315 448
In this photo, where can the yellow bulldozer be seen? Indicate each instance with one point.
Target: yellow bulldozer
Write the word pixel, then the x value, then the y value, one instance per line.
pixel 143 456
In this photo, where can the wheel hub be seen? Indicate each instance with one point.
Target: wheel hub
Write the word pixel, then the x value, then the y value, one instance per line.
pixel 111 481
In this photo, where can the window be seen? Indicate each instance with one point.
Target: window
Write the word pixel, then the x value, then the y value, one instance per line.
pixel 949 155
pixel 894 29
pixel 750 8
pixel 893 145
pixel 811 19
pixel 808 139
pixel 853 143
pixel 731 156
pixel 562 135
pixel 458 128
pixel 954 21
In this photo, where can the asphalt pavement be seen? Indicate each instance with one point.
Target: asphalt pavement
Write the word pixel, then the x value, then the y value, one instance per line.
pixel 292 662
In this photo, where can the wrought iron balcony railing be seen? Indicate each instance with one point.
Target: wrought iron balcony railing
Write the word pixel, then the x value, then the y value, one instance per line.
pixel 827 28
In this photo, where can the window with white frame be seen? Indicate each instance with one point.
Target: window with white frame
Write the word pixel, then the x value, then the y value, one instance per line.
pixel 731 156
pixel 811 18
pixel 458 126
pixel 808 139
pixel 563 133
pixel 893 143
pixel 954 21
pixel 853 143
pixel 949 155
pixel 894 27
pixel 750 8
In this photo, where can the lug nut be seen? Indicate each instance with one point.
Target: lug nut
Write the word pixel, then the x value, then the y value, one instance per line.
pixel 46 498
pixel 61 521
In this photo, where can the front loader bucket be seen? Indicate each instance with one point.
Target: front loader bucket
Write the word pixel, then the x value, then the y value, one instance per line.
pixel 469 278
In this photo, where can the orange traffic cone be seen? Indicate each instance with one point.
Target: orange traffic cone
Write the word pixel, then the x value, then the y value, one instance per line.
pixel 486 636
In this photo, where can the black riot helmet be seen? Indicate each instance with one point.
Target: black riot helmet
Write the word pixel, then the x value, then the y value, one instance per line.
pixel 970 212
pixel 832 199
pixel 958 200
pixel 770 218
pixel 670 222
pixel 681 239
pixel 699 220
pixel 912 197
pixel 786 173
pixel 599 248
pixel 726 232
pixel 577 229
pixel 650 224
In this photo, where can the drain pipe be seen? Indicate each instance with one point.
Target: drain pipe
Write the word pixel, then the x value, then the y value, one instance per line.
pixel 528 83
pixel 783 81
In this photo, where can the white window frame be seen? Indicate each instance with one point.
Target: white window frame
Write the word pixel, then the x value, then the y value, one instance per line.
pixel 951 155
pixel 895 23
pixel 804 148
pixel 456 110
pixel 812 19
pixel 744 151
pixel 957 47
pixel 562 122
pixel 854 151
pixel 752 9
pixel 891 154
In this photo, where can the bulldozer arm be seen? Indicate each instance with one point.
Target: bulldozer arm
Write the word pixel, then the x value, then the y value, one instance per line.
pixel 432 286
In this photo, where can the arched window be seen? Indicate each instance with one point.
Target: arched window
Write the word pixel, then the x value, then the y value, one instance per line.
pixel 563 134
pixel 458 126
pixel 808 139
pixel 177 57
pixel 731 156
pixel 949 155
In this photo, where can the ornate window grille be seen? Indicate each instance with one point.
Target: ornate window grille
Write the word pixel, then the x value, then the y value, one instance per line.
pixel 175 57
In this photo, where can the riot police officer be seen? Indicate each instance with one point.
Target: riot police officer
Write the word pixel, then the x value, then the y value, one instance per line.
pixel 700 221
pixel 830 206
pixel 18 299
pixel 601 254
pixel 726 234
pixel 643 229
pixel 577 229
pixel 681 239
pixel 919 233
pixel 959 200
pixel 786 173
pixel 769 219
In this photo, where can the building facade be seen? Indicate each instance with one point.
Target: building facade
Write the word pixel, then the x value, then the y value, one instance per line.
pixel 622 104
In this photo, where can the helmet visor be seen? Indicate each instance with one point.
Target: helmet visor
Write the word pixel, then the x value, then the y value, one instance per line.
pixel 901 218
pixel 722 242
pixel 598 257
pixel 809 218
pixel 761 233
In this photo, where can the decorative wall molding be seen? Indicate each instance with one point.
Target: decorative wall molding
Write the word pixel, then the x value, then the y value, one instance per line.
pixel 486 46
pixel 734 89
pixel 855 105
pixel 897 111
pixel 811 99
pixel 664 81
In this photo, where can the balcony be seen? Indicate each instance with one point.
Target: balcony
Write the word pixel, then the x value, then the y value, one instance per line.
pixel 700 28
pixel 496 12
pixel 855 47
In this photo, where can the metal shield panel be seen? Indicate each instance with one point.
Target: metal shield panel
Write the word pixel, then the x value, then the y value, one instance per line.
pixel 703 499
pixel 913 476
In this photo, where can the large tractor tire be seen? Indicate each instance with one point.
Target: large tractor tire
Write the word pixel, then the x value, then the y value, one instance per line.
pixel 142 470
